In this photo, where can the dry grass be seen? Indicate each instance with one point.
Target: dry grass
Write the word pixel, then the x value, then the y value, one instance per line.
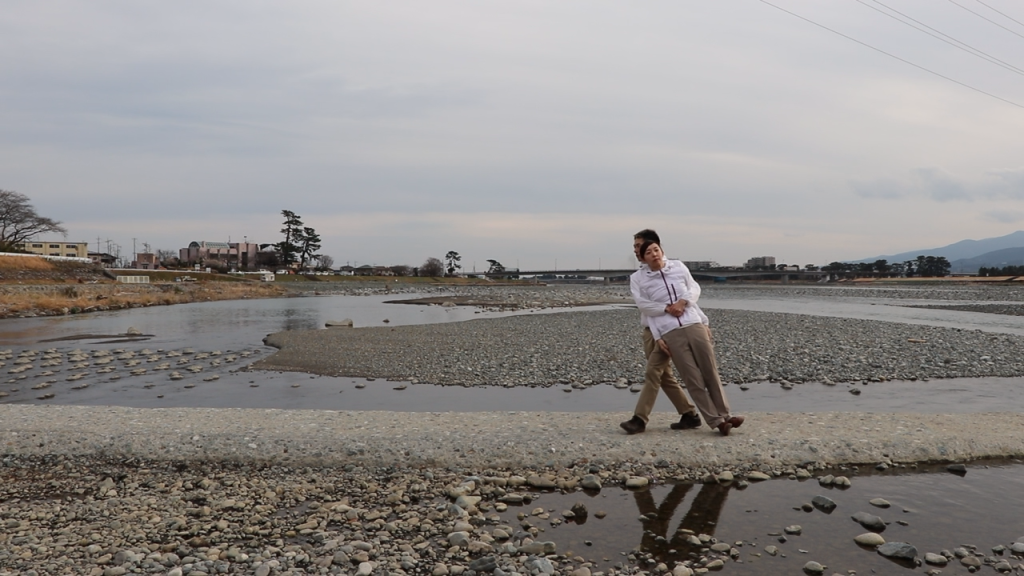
pixel 25 263
pixel 116 297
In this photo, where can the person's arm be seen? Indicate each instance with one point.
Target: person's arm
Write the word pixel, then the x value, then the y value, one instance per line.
pixel 647 307
pixel 690 285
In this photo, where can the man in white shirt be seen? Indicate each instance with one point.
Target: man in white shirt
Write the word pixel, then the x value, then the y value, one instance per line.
pixel 658 373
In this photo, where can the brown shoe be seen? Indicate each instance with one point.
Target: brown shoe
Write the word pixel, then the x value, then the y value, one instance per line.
pixel 724 428
pixel 736 421
pixel 634 425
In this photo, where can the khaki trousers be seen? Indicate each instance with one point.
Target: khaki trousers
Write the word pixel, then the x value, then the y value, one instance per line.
pixel 694 357
pixel 658 374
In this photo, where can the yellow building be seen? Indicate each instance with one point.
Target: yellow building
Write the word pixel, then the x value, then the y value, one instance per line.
pixel 66 249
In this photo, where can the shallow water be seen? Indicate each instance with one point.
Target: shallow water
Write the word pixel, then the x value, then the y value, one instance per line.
pixel 242 324
pixel 878 309
pixel 941 510
pixel 233 324
pixel 295 390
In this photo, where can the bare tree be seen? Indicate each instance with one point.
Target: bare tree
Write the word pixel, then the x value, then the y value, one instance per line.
pixel 325 262
pixel 19 220
pixel 166 256
pixel 432 267
pixel 401 270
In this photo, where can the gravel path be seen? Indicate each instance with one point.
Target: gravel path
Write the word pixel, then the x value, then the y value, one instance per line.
pixel 592 347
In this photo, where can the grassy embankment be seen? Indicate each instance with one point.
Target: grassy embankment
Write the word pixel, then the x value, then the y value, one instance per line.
pixel 77 288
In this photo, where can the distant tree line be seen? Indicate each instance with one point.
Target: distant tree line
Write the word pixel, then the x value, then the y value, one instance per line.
pixel 922 267
pixel 1004 271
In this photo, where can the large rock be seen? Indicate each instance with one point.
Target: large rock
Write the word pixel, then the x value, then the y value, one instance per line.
pixel 539 565
pixel 869 521
pixel 824 504
pixel 485 564
pixel 460 539
pixel 637 482
pixel 898 551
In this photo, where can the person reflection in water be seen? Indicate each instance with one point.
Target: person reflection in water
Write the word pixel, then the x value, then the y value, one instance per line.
pixel 702 517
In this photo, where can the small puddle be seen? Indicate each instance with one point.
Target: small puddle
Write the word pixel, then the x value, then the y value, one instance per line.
pixel 931 509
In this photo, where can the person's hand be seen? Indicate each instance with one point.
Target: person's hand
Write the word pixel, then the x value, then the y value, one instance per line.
pixel 677 309
pixel 663 346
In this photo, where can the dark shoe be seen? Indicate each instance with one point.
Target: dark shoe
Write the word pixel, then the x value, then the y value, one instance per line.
pixel 687 421
pixel 724 428
pixel 634 425
pixel 736 421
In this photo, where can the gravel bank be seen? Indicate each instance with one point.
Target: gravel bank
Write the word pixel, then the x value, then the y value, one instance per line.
pixel 591 347
pixel 484 439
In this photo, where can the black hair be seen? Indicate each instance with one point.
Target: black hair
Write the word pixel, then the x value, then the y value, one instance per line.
pixel 647 235
pixel 647 244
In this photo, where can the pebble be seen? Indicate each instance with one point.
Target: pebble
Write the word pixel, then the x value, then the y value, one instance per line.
pixel 879 502
pixel 935 559
pixel 869 521
pixel 869 539
pixel 814 568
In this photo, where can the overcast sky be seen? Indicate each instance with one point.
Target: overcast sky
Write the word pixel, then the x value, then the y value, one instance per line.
pixel 534 133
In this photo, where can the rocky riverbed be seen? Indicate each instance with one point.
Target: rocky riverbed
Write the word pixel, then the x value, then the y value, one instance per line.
pixel 584 348
pixel 113 491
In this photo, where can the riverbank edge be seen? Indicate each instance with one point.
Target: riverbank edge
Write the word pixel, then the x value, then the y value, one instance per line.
pixel 481 440
pixel 39 300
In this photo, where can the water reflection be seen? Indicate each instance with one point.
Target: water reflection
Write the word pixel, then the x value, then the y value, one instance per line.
pixel 701 518
pixel 931 509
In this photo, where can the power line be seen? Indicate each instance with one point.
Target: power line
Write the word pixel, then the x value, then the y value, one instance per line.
pixel 1007 16
pixel 918 66
pixel 962 45
pixel 986 19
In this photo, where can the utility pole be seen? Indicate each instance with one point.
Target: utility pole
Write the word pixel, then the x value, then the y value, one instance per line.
pixel 134 258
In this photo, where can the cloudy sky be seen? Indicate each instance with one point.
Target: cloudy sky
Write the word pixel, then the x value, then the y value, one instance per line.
pixel 539 134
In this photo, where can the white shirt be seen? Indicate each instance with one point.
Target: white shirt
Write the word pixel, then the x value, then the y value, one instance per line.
pixel 654 290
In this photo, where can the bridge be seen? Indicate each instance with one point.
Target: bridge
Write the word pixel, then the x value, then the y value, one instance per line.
pixel 783 275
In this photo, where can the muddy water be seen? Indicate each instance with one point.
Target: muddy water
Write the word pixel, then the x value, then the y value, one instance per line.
pixel 930 509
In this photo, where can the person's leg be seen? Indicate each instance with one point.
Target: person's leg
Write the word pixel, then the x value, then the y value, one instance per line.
pixel 653 371
pixel 658 374
pixel 680 345
pixel 704 355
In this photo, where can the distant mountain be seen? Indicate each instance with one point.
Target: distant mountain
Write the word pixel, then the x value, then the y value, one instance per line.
pixel 996 259
pixel 962 250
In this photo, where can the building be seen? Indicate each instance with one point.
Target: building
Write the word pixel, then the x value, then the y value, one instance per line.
pixel 103 259
pixel 760 262
pixel 238 255
pixel 50 248
pixel 701 264
pixel 146 261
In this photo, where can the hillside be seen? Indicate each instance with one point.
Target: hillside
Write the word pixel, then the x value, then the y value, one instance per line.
pixel 962 250
pixel 997 258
